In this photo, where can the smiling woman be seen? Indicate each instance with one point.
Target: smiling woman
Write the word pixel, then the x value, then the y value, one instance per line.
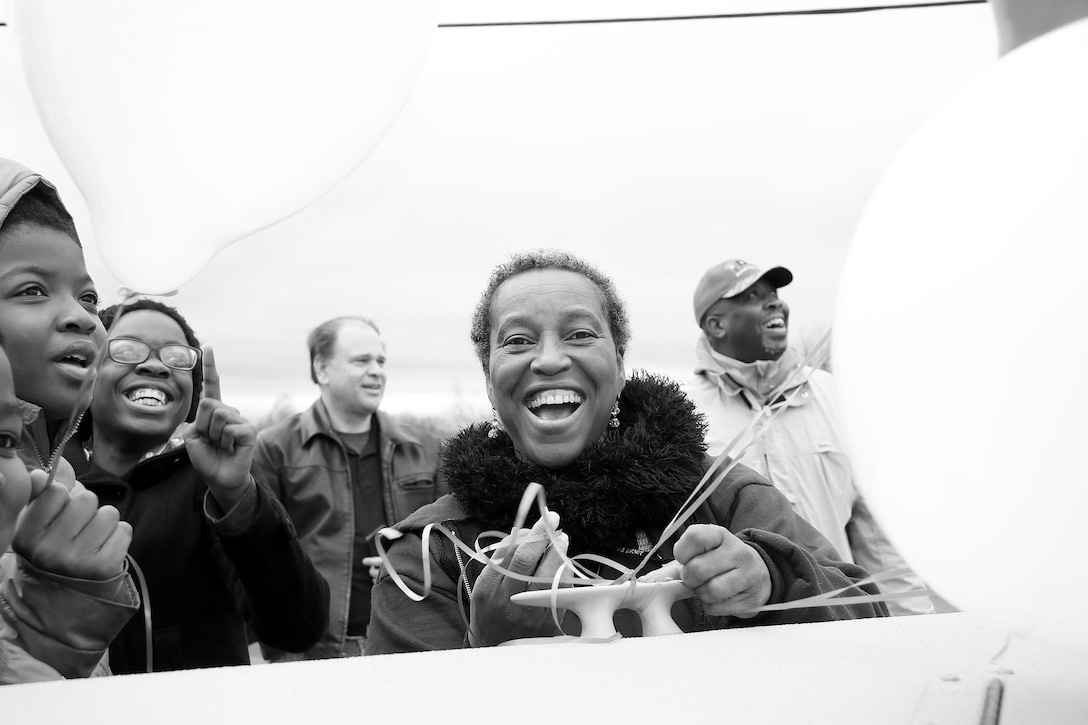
pixel 617 458
pixel 555 372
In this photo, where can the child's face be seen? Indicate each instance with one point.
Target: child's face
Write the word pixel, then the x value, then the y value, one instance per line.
pixel 15 484
pixel 143 401
pixel 48 316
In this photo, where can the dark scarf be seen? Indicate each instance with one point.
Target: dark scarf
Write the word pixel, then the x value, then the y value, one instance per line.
pixel 633 478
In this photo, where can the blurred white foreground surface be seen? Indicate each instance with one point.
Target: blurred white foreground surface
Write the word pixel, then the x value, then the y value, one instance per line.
pixel 928 669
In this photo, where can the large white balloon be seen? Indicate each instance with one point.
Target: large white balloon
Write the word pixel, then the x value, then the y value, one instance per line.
pixel 190 124
pixel 961 344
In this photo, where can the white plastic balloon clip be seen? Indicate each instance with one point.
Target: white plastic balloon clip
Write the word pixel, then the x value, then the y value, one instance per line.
pixel 596 605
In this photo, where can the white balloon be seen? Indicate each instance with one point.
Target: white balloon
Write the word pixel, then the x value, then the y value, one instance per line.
pixel 190 124
pixel 960 342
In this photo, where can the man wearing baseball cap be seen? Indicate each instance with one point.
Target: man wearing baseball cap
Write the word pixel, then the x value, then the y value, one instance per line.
pixel 742 357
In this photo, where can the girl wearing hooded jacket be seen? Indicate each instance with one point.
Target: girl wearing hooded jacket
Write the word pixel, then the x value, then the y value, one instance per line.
pixel 64 589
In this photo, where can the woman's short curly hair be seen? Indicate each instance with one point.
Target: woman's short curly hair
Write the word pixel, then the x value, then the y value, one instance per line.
pixel 111 314
pixel 613 304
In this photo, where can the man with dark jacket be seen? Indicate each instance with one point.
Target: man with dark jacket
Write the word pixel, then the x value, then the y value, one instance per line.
pixel 343 470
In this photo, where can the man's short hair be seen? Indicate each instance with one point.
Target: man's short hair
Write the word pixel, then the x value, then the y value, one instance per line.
pixel 322 339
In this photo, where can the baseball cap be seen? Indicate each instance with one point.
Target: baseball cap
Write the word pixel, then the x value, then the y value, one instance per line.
pixel 729 279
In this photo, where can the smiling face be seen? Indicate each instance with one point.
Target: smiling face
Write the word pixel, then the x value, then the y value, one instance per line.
pixel 137 406
pixel 554 372
pixel 48 316
pixel 753 325
pixel 15 486
pixel 352 378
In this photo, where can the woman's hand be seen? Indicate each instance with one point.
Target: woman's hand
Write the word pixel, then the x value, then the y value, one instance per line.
pixel 494 619
pixel 65 532
pixel 220 441
pixel 729 576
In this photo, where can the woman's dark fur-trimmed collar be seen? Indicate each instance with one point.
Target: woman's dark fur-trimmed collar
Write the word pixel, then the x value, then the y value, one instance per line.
pixel 633 478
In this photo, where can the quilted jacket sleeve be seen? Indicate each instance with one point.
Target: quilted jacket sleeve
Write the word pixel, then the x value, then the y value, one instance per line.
pixel 801 561
pixel 54 627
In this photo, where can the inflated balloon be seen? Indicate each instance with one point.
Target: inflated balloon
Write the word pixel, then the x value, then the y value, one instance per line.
pixel 961 346
pixel 1019 21
pixel 190 124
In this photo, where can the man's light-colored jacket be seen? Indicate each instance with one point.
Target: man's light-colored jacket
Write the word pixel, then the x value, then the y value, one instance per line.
pixel 306 467
pixel 802 453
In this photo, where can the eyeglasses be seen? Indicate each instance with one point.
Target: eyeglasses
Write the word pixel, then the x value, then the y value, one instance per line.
pixel 128 351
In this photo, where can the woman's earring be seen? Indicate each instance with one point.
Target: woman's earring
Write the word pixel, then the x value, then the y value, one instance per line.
pixel 494 425
pixel 615 421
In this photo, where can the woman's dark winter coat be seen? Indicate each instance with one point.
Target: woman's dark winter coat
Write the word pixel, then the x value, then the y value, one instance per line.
pixel 631 481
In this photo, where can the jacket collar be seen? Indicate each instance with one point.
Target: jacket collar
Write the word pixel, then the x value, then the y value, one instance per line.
pixel 635 477
pixel 754 380
pixel 35 439
pixel 315 421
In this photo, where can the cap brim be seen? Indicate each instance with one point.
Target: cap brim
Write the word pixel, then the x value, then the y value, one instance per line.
pixel 778 276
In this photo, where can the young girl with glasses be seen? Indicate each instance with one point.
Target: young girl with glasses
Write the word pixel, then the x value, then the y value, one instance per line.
pixel 215 548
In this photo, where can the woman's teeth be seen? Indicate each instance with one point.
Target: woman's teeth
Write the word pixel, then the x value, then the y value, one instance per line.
pixel 554 404
pixel 554 397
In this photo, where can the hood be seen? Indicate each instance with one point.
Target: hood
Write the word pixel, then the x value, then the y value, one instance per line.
pixel 757 378
pixel 634 478
pixel 15 181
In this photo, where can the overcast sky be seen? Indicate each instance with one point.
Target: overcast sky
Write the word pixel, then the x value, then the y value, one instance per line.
pixel 653 149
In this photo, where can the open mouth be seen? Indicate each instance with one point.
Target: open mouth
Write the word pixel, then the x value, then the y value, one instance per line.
pixel 148 397
pixel 775 323
pixel 76 359
pixel 554 404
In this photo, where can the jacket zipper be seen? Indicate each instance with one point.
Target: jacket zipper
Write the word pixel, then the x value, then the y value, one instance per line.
pixel 47 467
pixel 461 565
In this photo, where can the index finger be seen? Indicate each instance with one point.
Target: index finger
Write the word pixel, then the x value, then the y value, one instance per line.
pixel 211 375
pixel 528 554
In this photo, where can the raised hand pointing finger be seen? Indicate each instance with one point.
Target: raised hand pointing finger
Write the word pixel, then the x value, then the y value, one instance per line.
pixel 211 375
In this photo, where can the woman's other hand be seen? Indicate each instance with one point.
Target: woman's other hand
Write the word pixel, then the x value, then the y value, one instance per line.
pixel 495 619
pixel 729 576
